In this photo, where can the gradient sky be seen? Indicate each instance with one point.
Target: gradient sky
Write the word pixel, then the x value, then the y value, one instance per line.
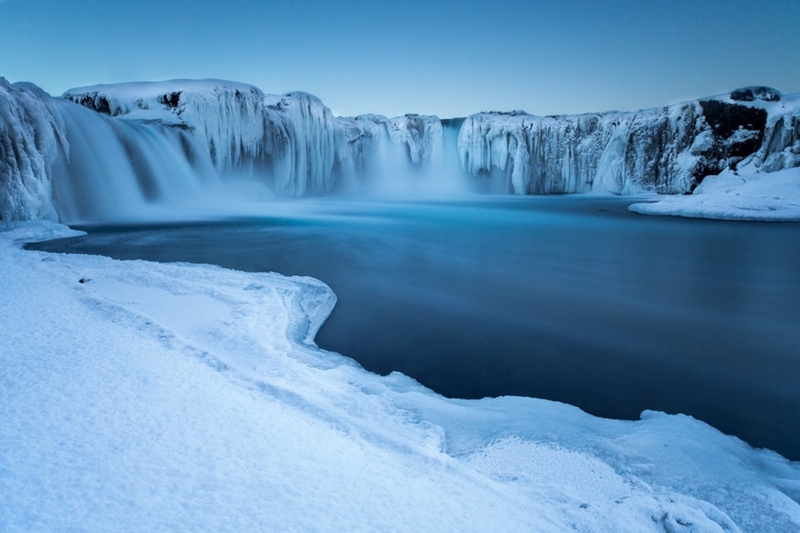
pixel 449 58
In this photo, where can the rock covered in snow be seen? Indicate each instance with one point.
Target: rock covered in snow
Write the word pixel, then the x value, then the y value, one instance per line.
pixel 750 94
pixel 763 196
pixel 161 101
pixel 780 148
pixel 761 180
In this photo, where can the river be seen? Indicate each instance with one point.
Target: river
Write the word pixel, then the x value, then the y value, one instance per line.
pixel 568 298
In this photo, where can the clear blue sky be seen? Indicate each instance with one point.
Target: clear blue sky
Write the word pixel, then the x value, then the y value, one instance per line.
pixel 450 58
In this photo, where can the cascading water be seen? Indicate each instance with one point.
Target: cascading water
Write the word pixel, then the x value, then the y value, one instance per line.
pixel 124 170
pixel 142 151
pixel 667 150
pixel 291 143
pixel 172 149
pixel 406 158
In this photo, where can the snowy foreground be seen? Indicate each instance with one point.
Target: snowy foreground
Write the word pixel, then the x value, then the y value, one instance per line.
pixel 732 196
pixel 138 396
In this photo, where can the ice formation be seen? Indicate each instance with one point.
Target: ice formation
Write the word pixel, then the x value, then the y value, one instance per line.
pixel 130 149
pixel 419 132
pixel 666 150
pixel 763 186
pixel 31 134
pixel 291 143
pixel 175 397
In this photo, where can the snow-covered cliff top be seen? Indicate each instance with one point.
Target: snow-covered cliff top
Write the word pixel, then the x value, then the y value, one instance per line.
pixel 155 100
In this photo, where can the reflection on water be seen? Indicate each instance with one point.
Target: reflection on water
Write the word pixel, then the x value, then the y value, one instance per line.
pixel 566 298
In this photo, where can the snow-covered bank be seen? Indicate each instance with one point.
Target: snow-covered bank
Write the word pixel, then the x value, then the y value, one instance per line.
pixel 163 397
pixel 764 196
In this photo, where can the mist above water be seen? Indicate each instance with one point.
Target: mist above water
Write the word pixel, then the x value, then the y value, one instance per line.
pixel 125 171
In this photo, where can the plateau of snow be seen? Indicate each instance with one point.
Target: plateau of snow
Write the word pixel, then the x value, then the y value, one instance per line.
pixel 149 150
pixel 139 396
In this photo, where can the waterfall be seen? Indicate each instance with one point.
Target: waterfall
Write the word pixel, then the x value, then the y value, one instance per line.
pixel 123 170
pixel 172 149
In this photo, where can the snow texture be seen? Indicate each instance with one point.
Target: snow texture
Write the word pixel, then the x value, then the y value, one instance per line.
pixel 736 196
pixel 169 397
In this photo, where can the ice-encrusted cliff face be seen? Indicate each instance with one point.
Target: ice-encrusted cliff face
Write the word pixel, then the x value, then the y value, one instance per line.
pixel 292 143
pixel 780 146
pixel 665 150
pixel 31 135
pixel 419 132
pixel 127 148
pixel 287 141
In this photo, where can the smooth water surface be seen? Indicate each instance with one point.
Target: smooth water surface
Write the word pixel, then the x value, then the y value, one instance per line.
pixel 566 298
